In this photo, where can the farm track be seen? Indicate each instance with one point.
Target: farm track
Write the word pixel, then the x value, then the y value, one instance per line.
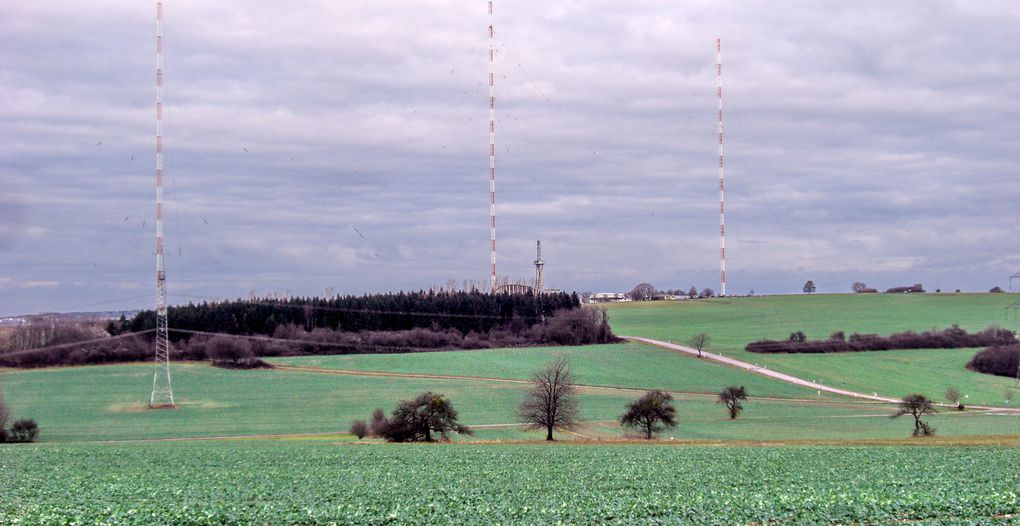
pixel 786 377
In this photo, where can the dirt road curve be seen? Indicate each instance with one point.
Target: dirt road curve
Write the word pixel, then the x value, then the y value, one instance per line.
pixel 759 370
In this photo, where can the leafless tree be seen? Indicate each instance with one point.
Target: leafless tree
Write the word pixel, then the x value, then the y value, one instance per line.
pixel 699 341
pixel 651 413
pixel 953 396
pixel 731 396
pixel 809 287
pixel 917 406
pixel 551 403
pixel 858 286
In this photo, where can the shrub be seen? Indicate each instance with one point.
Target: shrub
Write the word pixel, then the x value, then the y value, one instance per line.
pixel 25 430
pixel 379 424
pixel 359 429
pixel 231 352
pixel 1000 361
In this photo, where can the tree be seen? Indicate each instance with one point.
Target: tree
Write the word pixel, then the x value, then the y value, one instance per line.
pixel 642 291
pixel 699 341
pixel 415 420
pixel 651 413
pixel 917 406
pixel 731 396
pixel 551 403
pixel 25 430
pixel 707 293
pixel 693 292
pixel 953 397
pixel 379 424
pixel 359 429
pixel 809 287
pixel 858 286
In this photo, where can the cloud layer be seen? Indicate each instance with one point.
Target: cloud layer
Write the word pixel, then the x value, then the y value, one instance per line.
pixel 343 144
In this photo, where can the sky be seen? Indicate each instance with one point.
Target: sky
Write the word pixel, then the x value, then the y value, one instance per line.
pixel 317 146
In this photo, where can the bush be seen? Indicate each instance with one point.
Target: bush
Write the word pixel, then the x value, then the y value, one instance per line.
pixel 359 429
pixel 231 352
pixel 25 430
pixel 1000 361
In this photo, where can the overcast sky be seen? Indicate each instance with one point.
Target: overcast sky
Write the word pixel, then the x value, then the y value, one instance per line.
pixel 314 144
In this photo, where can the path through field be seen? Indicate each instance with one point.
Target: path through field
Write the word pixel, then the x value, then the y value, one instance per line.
pixel 759 370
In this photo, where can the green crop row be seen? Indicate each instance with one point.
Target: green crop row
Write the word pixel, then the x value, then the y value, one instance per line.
pixel 289 483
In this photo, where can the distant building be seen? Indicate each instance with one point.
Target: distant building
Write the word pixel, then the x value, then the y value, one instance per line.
pixel 609 297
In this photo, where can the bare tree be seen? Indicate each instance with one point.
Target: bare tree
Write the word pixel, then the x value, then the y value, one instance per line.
pixel 699 341
pixel 858 286
pixel 809 287
pixel 953 397
pixel 707 293
pixel 379 423
pixel 917 406
pixel 651 413
pixel 731 396
pixel 551 403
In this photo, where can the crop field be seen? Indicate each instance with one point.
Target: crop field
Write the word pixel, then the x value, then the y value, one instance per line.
pixel 734 322
pixel 288 483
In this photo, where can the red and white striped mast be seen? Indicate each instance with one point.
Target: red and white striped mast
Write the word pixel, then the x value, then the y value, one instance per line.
pixel 492 157
pixel 722 186
pixel 162 394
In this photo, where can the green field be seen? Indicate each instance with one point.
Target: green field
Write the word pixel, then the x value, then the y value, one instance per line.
pixel 289 483
pixel 734 322
pixel 107 403
pixel 624 365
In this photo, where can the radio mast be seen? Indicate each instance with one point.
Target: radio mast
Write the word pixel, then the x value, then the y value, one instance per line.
pixel 162 393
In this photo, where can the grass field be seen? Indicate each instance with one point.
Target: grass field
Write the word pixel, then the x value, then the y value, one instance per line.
pixel 108 403
pixel 624 365
pixel 734 322
pixel 291 483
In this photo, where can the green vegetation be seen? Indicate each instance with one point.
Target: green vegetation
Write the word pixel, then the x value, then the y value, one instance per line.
pixel 108 403
pixel 629 365
pixel 289 483
pixel 734 322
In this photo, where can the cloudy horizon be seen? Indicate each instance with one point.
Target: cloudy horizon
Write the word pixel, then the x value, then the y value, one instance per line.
pixel 343 146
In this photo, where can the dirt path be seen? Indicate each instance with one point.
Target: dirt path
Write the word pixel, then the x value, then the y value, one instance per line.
pixel 760 370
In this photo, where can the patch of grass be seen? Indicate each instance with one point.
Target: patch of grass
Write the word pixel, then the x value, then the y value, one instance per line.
pixel 734 322
pixel 623 365
pixel 108 403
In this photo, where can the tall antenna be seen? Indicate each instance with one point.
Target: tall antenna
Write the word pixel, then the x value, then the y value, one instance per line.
pixel 492 156
pixel 722 186
pixel 162 394
pixel 538 269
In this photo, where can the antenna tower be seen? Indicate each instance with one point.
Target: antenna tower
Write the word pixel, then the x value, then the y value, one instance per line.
pixel 538 269
pixel 722 186
pixel 162 394
pixel 492 157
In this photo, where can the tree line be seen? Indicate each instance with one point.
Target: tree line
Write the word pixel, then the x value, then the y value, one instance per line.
pixel 951 338
pixel 462 311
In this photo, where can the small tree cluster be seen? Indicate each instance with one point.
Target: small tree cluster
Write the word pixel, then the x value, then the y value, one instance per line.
pixel 419 419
